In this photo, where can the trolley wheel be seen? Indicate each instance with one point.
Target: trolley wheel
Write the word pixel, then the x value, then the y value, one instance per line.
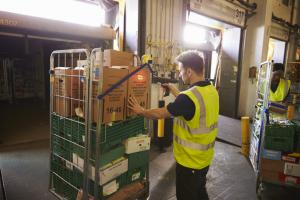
pixel 259 187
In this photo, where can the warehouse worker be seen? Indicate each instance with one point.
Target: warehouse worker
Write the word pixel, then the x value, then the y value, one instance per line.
pixel 196 113
pixel 279 88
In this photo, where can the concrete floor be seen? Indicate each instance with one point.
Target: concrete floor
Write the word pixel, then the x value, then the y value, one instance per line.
pixel 25 169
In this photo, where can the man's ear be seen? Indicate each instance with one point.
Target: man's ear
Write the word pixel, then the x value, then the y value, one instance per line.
pixel 189 72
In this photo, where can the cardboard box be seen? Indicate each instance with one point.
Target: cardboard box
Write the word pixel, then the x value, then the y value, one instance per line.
pixel 292 169
pixel 67 82
pixel 270 176
pixel 272 165
pixel 115 102
pixel 65 107
pixel 137 144
pixel 117 58
pixel 139 88
pixel 111 171
pixel 289 179
pixel 290 159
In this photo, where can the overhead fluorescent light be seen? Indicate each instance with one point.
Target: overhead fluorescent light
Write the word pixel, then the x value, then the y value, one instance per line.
pixel 71 11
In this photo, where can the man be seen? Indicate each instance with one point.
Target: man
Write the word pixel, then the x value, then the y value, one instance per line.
pixel 196 113
pixel 280 87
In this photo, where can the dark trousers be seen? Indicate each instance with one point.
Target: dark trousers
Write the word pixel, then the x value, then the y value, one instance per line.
pixel 190 183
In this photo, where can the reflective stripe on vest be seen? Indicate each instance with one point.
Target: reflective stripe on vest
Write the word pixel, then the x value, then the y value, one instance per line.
pixel 202 122
pixel 192 145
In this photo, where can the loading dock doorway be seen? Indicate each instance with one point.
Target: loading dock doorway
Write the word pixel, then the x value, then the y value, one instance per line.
pixel 221 44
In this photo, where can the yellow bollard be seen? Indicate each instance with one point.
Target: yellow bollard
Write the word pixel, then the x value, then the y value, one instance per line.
pixel 245 135
pixel 160 128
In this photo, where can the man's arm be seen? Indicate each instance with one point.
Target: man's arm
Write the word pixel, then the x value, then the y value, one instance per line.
pixel 157 113
pixel 172 89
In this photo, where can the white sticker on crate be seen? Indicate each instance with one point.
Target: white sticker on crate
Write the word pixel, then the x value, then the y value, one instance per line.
pixel 137 144
pixel 75 158
pixel 113 171
pixel 135 176
pixel 69 165
pixel 80 162
pixel 110 171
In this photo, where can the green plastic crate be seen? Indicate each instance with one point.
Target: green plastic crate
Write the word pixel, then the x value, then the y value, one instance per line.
pixel 74 130
pixel 279 137
pixel 63 189
pixel 121 130
pixel 55 128
pixel 67 171
pixel 136 174
pixel 65 148
pixel 136 160
pixel 111 155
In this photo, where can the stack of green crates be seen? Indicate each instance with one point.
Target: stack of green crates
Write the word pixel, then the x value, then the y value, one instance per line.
pixel 280 137
pixel 68 138
pixel 297 136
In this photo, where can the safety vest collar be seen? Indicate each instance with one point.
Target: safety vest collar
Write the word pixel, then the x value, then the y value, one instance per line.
pixel 193 145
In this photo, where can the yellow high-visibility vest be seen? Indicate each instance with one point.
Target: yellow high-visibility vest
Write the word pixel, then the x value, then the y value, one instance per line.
pixel 194 139
pixel 281 91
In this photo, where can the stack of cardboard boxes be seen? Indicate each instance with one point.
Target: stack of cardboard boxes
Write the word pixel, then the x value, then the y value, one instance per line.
pixel 117 65
pixel 69 88
pixel 281 157
pixel 278 168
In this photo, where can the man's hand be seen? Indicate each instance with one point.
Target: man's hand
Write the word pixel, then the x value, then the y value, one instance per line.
pixel 135 106
pixel 172 89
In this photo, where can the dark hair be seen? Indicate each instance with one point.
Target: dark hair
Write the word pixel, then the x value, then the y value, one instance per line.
pixel 278 66
pixel 192 59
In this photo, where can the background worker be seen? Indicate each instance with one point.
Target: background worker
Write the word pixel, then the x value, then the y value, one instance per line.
pixel 196 113
pixel 279 91
pixel 280 87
